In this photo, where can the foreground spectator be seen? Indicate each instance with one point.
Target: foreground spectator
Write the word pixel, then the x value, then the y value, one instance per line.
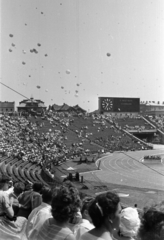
pixel 86 222
pixel 30 199
pixel 152 227
pixel 64 207
pixel 39 214
pixel 10 227
pixel 129 224
pixel 13 196
pixel 105 214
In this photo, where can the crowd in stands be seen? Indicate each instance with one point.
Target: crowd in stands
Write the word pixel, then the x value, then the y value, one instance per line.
pixel 37 212
pixel 44 139
pixel 158 121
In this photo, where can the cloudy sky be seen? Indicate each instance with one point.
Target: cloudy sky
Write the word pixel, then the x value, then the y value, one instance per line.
pixel 74 51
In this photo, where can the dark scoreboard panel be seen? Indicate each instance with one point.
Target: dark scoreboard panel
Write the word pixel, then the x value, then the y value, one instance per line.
pixel 107 104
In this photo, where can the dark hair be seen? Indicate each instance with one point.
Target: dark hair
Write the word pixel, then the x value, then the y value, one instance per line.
pixel 37 187
pixel 103 205
pixel 85 203
pixel 152 222
pixel 46 194
pixel 4 179
pixel 19 187
pixel 65 204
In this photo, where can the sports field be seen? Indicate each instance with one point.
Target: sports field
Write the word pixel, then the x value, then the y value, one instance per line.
pixel 142 183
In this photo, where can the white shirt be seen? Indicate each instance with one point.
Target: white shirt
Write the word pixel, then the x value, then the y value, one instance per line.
pixel 83 227
pixel 36 219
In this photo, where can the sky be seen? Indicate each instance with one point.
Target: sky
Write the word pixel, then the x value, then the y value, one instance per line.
pixel 83 49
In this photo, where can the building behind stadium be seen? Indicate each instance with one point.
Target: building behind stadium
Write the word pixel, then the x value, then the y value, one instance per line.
pixel 152 108
pixel 7 107
pixel 31 106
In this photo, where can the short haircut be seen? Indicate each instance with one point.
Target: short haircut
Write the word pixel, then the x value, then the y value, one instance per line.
pixel 65 204
pixel 103 205
pixel 37 187
pixel 19 187
pixel 152 223
pixel 46 194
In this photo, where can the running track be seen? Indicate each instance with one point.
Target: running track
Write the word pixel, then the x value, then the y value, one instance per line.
pixel 121 168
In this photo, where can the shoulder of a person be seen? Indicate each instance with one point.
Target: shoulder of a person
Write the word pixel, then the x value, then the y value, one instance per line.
pixel 70 237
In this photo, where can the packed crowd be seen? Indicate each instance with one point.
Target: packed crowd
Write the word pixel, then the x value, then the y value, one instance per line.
pixel 36 212
pixel 158 121
pixel 43 139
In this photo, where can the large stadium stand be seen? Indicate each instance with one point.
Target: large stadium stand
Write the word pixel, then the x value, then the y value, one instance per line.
pixel 94 133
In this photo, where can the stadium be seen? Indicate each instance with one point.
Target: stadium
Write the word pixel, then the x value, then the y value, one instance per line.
pixel 82 120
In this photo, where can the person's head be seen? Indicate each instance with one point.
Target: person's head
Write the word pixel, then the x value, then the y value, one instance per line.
pixel 37 187
pixel 65 204
pixel 105 210
pixel 5 182
pixel 47 195
pixel 85 206
pixel 129 223
pixel 19 187
pixel 152 223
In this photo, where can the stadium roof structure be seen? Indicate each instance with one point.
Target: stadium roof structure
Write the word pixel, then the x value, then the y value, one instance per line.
pixel 66 108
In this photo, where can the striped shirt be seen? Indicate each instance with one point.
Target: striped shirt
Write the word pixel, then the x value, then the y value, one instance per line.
pixel 50 231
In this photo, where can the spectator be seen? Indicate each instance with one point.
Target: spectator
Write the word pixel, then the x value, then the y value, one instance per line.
pixel 17 190
pixel 86 223
pixel 30 199
pixel 39 214
pixel 105 214
pixel 9 228
pixel 129 225
pixel 152 223
pixel 64 207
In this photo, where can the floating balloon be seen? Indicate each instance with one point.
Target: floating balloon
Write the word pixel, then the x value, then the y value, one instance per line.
pixel 45 55
pixel 24 51
pixel 10 50
pixel 78 84
pixel 23 63
pixel 38 87
pixel 62 87
pixel 108 54
pixel 39 44
pixel 68 71
pixel 11 35
pixel 29 75
pixel 41 12
pixel 25 24
pixel 13 45
pixel 76 91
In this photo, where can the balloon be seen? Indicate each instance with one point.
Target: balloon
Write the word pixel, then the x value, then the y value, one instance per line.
pixel 45 55
pixel 62 87
pixel 24 51
pixel 68 71
pixel 51 99
pixel 78 84
pixel 23 63
pixel 108 54
pixel 39 44
pixel 76 95
pixel 10 50
pixel 38 87
pixel 76 91
pixel 25 24
pixel 13 45
pixel 29 75
pixel 31 50
pixel 11 35
pixel 41 12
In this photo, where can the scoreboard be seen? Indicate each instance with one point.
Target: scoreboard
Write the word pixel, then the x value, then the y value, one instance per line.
pixel 108 104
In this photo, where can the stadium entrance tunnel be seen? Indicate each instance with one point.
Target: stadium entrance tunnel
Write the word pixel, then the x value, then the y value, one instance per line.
pixel 147 137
